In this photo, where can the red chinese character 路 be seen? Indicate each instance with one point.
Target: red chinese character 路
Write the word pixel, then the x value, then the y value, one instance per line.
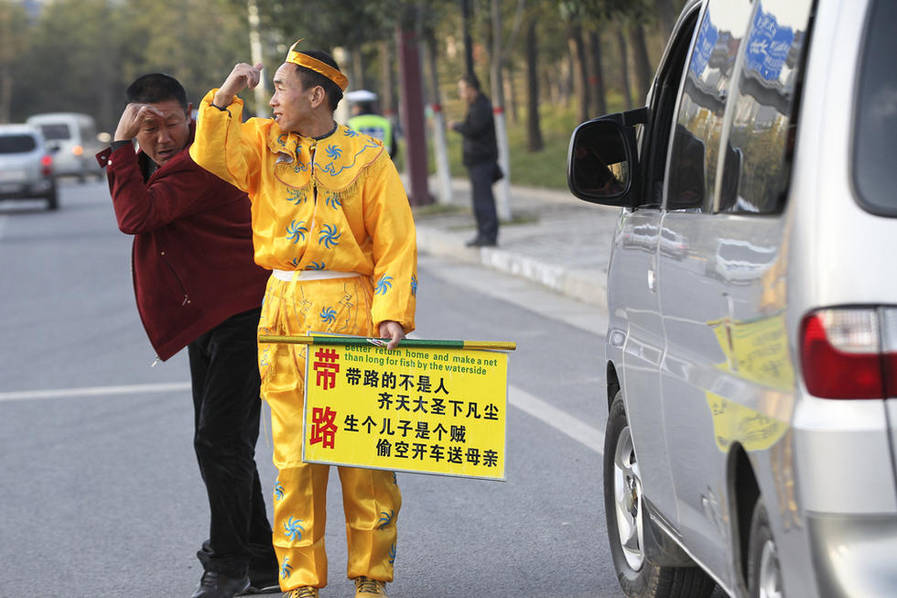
pixel 323 428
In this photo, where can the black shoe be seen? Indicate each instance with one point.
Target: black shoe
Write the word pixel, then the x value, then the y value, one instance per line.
pixel 262 583
pixel 219 585
pixel 475 242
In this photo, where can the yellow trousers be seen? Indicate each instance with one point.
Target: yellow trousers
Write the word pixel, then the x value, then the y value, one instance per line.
pixel 371 498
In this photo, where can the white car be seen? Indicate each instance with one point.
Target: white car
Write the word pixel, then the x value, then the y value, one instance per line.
pixel 751 438
pixel 26 165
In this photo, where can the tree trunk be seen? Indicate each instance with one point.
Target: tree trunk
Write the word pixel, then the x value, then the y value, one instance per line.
pixel 597 78
pixel 431 50
pixel 12 36
pixel 624 69
pixel 667 16
pixel 6 81
pixel 497 59
pixel 413 114
pixel 578 48
pixel 106 73
pixel 466 18
pixel 534 141
pixel 642 63
pixel 567 77
pixel 440 144
pixel 511 97
pixel 502 197
pixel 358 81
pixel 552 84
pixel 387 81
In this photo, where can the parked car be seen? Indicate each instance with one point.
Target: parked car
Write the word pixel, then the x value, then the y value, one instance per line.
pixel 26 165
pixel 75 138
pixel 752 379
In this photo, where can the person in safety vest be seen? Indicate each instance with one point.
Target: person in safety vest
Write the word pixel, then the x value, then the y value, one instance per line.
pixel 365 119
pixel 197 286
pixel 331 220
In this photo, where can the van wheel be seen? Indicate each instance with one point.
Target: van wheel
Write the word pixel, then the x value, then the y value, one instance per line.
pixel 764 569
pixel 626 519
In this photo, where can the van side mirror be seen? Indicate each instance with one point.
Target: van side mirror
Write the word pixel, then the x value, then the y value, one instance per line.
pixel 602 163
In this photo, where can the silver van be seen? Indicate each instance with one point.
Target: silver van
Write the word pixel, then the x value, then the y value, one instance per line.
pixel 752 373
pixel 73 138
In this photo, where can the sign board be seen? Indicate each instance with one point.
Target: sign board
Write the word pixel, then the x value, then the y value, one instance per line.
pixel 768 45
pixel 706 42
pixel 416 409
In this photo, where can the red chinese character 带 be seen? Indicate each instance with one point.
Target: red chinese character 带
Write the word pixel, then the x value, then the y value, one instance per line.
pixel 326 366
pixel 323 428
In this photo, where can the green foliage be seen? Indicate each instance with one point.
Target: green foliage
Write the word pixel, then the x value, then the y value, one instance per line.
pixel 72 55
pixel 13 43
pixel 546 168
pixel 13 31
pixel 82 54
pixel 320 26
pixel 170 41
pixel 79 55
pixel 599 10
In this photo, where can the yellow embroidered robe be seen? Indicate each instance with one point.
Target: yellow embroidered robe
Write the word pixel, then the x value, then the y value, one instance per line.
pixel 335 203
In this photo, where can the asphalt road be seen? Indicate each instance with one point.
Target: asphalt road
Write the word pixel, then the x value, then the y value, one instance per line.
pixel 100 494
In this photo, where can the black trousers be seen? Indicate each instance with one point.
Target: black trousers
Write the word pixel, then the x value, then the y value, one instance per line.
pixel 227 406
pixel 481 179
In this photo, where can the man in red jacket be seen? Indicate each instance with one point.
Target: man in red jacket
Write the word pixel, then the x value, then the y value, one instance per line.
pixel 197 285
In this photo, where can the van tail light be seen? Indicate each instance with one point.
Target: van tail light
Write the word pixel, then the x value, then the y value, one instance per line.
pixel 77 150
pixel 850 353
pixel 46 165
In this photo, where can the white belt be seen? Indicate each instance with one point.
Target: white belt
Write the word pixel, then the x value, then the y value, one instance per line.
pixel 291 275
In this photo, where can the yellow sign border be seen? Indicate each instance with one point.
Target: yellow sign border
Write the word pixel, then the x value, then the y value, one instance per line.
pixel 399 352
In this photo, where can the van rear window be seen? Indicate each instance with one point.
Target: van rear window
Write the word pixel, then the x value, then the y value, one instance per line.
pixel 53 132
pixel 875 137
pixel 16 144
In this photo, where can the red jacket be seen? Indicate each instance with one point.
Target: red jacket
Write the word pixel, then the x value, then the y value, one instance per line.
pixel 192 259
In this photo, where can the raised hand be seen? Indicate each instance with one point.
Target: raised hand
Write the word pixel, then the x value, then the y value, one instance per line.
pixel 241 77
pixel 132 118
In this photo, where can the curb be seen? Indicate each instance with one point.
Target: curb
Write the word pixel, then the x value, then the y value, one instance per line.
pixel 586 285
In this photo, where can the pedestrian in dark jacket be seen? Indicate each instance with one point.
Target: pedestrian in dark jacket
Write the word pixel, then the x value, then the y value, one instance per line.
pixel 197 285
pixel 480 155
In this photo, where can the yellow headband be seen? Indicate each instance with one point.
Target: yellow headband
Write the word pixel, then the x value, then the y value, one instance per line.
pixel 316 65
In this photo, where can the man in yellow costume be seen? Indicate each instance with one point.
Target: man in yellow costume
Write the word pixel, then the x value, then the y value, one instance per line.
pixel 331 219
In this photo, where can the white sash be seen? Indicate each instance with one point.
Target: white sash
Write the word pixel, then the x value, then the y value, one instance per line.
pixel 294 275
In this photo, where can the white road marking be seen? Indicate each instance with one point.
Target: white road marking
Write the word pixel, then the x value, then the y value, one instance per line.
pixel 94 391
pixel 590 437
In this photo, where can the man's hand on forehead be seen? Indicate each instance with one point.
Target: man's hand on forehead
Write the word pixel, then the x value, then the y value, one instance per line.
pixel 133 117
pixel 148 112
pixel 168 116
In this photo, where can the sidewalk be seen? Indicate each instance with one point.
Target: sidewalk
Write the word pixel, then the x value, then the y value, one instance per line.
pixel 556 239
